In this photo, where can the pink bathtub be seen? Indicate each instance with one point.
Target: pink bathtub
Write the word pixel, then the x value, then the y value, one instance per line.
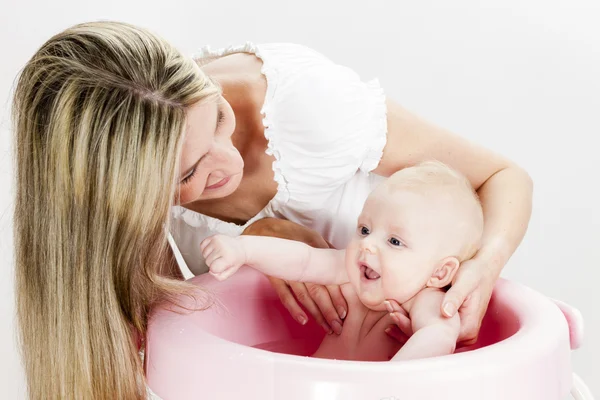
pixel 219 354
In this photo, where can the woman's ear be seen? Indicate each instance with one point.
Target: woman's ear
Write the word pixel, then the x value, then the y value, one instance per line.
pixel 444 273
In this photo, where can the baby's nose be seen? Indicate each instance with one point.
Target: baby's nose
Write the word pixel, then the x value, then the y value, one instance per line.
pixel 367 246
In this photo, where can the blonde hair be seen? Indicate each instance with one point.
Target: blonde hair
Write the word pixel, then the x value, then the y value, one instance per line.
pixel 99 114
pixel 434 177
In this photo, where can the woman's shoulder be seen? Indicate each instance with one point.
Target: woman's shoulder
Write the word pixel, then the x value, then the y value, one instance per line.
pixel 251 63
pixel 207 53
pixel 322 122
pixel 240 74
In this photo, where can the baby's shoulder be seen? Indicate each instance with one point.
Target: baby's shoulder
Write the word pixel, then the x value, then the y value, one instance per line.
pixel 426 299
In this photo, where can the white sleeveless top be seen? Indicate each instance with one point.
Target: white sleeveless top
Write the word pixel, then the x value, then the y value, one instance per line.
pixel 326 129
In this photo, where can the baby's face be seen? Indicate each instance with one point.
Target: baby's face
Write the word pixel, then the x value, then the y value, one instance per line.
pixel 399 240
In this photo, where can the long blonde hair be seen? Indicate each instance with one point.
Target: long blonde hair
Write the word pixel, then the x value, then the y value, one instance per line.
pixel 99 115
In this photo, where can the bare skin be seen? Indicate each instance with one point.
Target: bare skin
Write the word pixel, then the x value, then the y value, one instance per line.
pixel 308 295
pixel 402 252
pixel 244 89
pixel 367 334
pixel 364 337
pixel 504 188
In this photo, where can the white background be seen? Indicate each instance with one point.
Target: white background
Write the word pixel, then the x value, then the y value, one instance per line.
pixel 519 76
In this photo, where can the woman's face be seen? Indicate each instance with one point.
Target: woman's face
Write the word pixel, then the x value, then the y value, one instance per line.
pixel 211 167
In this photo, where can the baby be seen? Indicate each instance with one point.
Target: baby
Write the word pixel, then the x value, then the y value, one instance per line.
pixel 415 229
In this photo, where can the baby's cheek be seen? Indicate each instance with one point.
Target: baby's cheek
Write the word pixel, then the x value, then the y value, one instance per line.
pixel 353 277
pixel 394 287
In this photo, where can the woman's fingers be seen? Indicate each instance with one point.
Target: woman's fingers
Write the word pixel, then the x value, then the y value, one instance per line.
pixel 301 292
pixel 393 306
pixel 403 322
pixel 288 300
pixel 339 302
pixel 396 333
pixel 322 298
pixel 326 304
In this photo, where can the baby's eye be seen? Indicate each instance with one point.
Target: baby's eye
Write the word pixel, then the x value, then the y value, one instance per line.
pixel 395 242
pixel 364 230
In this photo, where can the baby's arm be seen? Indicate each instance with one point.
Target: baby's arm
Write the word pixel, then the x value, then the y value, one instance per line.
pixel 434 335
pixel 281 258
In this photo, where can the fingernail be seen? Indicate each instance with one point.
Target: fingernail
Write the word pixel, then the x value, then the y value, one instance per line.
pixel 301 319
pixel 326 327
pixel 388 306
pixel 337 327
pixel 449 309
pixel 341 312
pixel 388 330
pixel 395 318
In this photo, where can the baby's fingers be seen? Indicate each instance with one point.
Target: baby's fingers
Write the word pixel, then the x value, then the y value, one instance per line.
pixel 212 259
pixel 227 273
pixel 206 253
pixel 220 264
pixel 218 276
pixel 222 269
pixel 207 247
pixel 205 243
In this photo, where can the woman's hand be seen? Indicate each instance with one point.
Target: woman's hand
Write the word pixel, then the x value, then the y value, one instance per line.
pixel 325 303
pixel 504 189
pixel 401 319
pixel 470 294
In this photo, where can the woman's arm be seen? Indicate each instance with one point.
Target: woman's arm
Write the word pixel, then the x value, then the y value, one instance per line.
pixel 504 188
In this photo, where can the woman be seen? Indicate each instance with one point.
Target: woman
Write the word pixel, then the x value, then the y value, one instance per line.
pixel 114 127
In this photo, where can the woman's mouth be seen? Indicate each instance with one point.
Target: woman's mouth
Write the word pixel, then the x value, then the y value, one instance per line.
pixel 218 184
pixel 368 273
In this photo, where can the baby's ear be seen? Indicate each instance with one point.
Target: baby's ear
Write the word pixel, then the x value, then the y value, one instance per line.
pixel 444 273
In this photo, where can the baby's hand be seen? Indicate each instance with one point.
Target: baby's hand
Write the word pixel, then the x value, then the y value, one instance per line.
pixel 224 255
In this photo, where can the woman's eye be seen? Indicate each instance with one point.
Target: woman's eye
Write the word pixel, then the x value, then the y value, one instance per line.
pixel 395 242
pixel 188 178
pixel 364 230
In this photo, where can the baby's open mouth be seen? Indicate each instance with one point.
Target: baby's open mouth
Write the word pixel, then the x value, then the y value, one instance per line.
pixel 369 273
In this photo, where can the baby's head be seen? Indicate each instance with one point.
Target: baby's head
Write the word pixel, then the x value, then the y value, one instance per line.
pixel 414 231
